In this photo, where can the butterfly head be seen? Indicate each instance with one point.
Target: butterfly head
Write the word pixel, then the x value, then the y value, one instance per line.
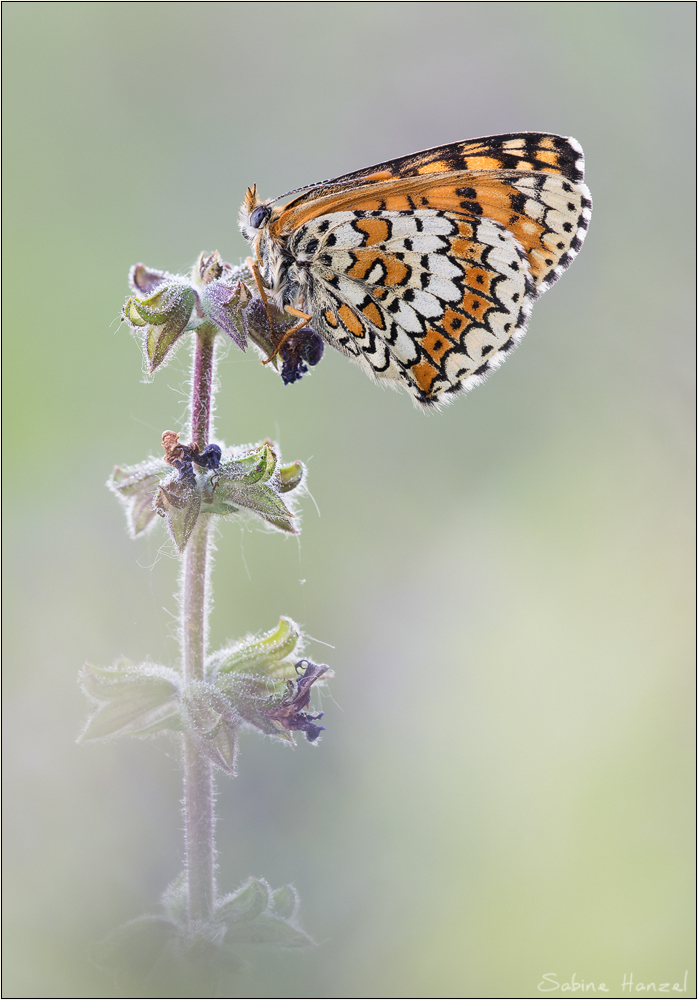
pixel 254 215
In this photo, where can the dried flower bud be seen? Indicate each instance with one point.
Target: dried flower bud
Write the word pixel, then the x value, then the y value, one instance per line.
pixel 289 714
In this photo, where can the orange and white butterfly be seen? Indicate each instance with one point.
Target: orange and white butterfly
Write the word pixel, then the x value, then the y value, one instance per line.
pixel 424 269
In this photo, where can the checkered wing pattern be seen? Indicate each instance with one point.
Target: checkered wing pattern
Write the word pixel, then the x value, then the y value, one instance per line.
pixel 424 269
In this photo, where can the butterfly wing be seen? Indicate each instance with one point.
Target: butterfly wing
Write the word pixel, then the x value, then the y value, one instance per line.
pixel 514 151
pixel 513 206
pixel 430 300
pixel 547 214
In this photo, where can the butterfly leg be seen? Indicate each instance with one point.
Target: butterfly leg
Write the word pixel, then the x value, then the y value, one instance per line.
pixel 254 267
pixel 304 318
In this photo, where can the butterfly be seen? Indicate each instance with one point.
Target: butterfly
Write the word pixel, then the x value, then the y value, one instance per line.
pixel 424 269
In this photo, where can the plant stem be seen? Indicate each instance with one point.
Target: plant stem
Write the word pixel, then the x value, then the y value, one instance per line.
pixel 199 818
pixel 202 385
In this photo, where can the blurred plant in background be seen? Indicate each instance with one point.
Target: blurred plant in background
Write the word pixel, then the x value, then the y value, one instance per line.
pixel 261 681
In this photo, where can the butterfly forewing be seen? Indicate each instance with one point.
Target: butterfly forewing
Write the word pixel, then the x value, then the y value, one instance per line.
pixel 513 151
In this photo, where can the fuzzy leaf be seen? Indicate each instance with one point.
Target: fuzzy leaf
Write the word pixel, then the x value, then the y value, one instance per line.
pixel 144 280
pixel 245 905
pixel 132 315
pixel 290 476
pixel 175 900
pixel 258 465
pixel 212 722
pixel 254 697
pixel 138 945
pixel 268 931
pixel 135 478
pixel 285 902
pixel 179 503
pixel 260 654
pixel 159 340
pixel 132 699
pixel 169 300
pixel 136 487
pixel 260 499
pixel 223 301
pixel 162 317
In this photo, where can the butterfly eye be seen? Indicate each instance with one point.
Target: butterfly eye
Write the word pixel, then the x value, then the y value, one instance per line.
pixel 259 216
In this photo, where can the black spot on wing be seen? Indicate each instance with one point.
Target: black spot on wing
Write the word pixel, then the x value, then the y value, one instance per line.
pixel 471 206
pixel 518 203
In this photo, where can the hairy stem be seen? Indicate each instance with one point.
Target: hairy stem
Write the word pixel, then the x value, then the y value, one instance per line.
pixel 202 385
pixel 199 818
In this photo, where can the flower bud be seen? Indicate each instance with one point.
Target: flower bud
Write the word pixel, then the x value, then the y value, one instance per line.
pixel 212 722
pixel 162 317
pixel 223 295
pixel 136 487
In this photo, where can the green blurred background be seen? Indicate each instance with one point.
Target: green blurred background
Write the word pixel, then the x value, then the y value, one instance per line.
pixel 504 789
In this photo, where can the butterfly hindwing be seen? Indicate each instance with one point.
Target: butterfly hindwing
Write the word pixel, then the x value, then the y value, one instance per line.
pixel 430 299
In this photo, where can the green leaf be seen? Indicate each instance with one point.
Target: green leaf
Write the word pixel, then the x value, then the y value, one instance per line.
pixel 290 477
pixel 136 487
pixel 161 318
pixel 141 513
pixel 268 932
pixel 175 900
pixel 285 902
pixel 135 479
pixel 159 339
pixel 174 298
pixel 212 722
pixel 180 504
pixel 132 699
pixel 253 698
pixel 258 465
pixel 131 313
pixel 260 499
pixel 245 905
pixel 138 945
pixel 260 654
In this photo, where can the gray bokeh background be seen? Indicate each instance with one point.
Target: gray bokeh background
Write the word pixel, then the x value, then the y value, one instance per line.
pixel 504 789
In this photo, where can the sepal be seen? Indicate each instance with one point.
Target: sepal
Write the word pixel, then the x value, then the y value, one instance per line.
pixel 178 500
pixel 136 699
pixel 255 915
pixel 223 296
pixel 253 478
pixel 267 655
pixel 161 318
pixel 259 682
pixel 136 487
pixel 212 721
